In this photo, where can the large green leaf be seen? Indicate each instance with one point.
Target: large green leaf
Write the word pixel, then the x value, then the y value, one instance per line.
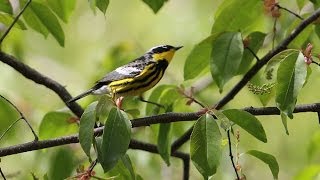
pixel 124 169
pixel 248 122
pixel 226 55
pixel 103 108
pixel 7 20
pixel 34 22
pixel 115 139
pixel 87 122
pixel 62 164
pixel 269 159
pixel 316 3
pixel 199 58
pixel 233 16
pixel 291 76
pixel 7 116
pixel 56 124
pixel 62 8
pixel 164 146
pixel 301 3
pixel 102 5
pixel 40 18
pixel 5 6
pixel 154 97
pixel 205 145
pixel 255 41
pixel 273 64
pixel 284 122
pixel 155 5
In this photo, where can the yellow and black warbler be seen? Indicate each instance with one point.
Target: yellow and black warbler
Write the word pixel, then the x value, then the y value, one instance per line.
pixel 136 77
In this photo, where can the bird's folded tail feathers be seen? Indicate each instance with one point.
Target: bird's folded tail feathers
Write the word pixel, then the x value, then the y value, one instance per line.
pixel 81 96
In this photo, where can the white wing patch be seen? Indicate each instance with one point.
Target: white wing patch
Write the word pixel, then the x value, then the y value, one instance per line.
pixel 127 70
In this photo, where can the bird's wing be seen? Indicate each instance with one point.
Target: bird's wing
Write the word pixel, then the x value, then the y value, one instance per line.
pixel 129 70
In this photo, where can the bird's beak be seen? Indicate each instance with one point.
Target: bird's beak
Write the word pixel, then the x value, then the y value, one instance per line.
pixel 177 48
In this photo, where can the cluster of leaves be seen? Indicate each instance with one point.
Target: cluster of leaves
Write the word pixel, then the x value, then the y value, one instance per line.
pixel 226 51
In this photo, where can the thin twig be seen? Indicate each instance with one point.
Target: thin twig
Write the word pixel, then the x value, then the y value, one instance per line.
pixel 150 102
pixel 231 156
pixel 291 12
pixel 3 176
pixel 14 22
pixel 254 54
pixel 11 125
pixel 314 62
pixel 274 32
pixel 92 165
pixel 21 117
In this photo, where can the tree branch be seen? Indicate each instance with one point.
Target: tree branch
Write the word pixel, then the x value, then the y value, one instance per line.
pixel 253 71
pixel 2 175
pixel 231 156
pixel 14 22
pixel 37 77
pixel 140 122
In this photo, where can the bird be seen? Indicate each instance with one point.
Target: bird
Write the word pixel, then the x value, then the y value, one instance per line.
pixel 136 77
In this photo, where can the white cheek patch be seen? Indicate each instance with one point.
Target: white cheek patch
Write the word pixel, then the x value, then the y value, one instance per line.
pixel 127 70
pixel 103 90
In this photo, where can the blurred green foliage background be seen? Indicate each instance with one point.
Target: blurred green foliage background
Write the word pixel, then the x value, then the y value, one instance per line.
pixel 97 43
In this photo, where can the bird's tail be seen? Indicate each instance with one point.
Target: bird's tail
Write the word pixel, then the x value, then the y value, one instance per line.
pixel 81 96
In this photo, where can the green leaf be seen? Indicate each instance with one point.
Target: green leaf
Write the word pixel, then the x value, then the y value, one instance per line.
pixel 227 50
pixel 316 3
pixel 255 41
pixel 311 172
pixel 40 18
pixel 115 139
pixel 199 58
pixel 62 164
pixel 102 5
pixel 154 97
pixel 155 5
pixel 205 145
pixel 164 146
pixel 7 20
pixel 62 8
pixel 269 159
pixel 103 108
pixel 34 22
pixel 224 121
pixel 57 124
pixel 272 65
pixel 248 122
pixel 301 3
pixel 291 76
pixel 233 16
pixel 5 6
pixel 7 116
pixel 124 168
pixel 284 122
pixel 87 122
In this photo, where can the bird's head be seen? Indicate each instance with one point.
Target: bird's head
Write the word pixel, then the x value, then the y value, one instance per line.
pixel 163 52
